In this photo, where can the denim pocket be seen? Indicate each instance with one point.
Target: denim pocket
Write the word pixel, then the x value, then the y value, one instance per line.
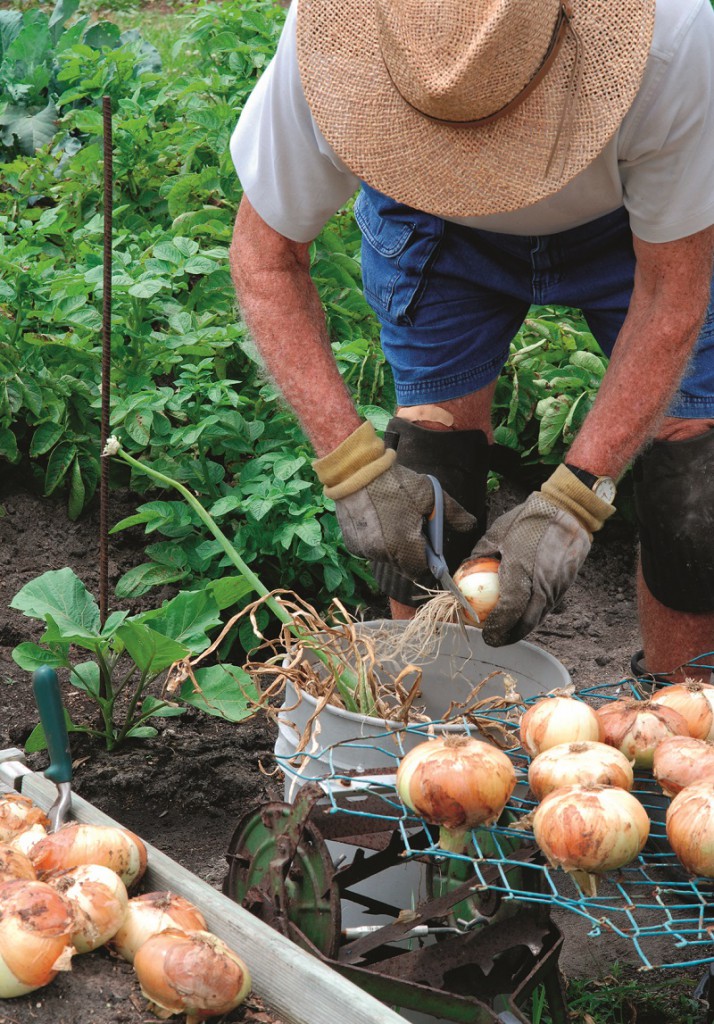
pixel 398 246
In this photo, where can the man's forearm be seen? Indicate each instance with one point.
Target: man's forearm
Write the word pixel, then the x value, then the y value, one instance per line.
pixel 282 309
pixel 668 304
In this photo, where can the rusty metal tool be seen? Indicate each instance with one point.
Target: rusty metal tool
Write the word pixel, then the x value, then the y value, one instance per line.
pixel 434 539
pixel 46 688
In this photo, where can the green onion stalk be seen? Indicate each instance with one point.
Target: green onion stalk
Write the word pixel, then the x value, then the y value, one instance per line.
pixel 352 687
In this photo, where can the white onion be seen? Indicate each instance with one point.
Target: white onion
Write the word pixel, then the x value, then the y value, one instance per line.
pixel 35 928
pixel 75 844
pixel 694 701
pixel 18 813
pixel 99 900
pixel 151 913
pixel 456 782
pixel 477 579
pixel 578 764
pixel 636 727
pixel 14 864
pixel 558 719
pixel 588 830
pixel 690 828
pixel 193 973
pixel 24 841
pixel 681 760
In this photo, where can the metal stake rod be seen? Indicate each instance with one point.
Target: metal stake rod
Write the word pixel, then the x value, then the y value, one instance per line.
pixel 106 363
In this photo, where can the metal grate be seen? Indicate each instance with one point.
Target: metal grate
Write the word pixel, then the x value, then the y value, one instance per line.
pixel 649 899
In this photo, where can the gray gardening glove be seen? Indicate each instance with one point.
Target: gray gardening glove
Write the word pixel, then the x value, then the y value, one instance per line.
pixel 542 545
pixel 381 506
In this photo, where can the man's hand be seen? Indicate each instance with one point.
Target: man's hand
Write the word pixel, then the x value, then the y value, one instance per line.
pixel 380 505
pixel 542 544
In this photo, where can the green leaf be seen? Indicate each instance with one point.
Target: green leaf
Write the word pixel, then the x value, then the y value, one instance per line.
pixel 45 437
pixel 32 130
pixel 61 458
pixel 147 288
pixel 86 677
pixel 594 364
pixel 553 420
pixel 228 590
pixel 186 618
pixel 142 732
pixel 63 11
pixel 142 578
pixel 160 709
pixel 8 445
pixel 77 492
pixel 60 595
pixel 199 265
pixel 226 691
pixel 37 740
pixel 31 656
pixel 151 651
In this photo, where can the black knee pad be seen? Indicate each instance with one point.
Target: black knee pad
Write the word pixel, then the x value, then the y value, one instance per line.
pixel 674 504
pixel 459 459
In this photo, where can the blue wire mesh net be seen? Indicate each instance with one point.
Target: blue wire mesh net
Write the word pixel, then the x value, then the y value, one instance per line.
pixel 650 899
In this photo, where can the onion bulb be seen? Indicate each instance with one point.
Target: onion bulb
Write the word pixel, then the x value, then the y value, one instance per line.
pixel 690 828
pixel 681 760
pixel 477 579
pixel 695 703
pixel 14 864
pixel 18 813
pixel 98 898
pixel 35 928
pixel 194 973
pixel 75 844
pixel 558 719
pixel 636 727
pixel 578 764
pixel 24 841
pixel 456 782
pixel 588 830
pixel 151 913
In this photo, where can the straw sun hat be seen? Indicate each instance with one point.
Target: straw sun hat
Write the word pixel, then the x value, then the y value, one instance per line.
pixel 470 107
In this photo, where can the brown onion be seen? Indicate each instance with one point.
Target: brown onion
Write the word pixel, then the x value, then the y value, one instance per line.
pixel 695 702
pixel 35 928
pixel 18 813
pixel 636 727
pixel 456 782
pixel 681 760
pixel 14 864
pixel 558 719
pixel 24 841
pixel 588 830
pixel 578 764
pixel 75 844
pixel 690 828
pixel 151 913
pixel 193 973
pixel 477 579
pixel 98 898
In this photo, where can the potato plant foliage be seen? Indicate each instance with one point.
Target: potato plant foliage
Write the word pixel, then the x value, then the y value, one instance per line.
pixel 187 392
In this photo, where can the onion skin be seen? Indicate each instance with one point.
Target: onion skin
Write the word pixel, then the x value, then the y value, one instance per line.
pixel 24 841
pixel 18 813
pixel 690 828
pixel 99 900
pixel 151 913
pixel 695 702
pixel 195 974
pixel 588 830
pixel 477 579
pixel 75 844
pixel 681 760
pixel 579 764
pixel 35 928
pixel 635 727
pixel 559 719
pixel 14 864
pixel 456 782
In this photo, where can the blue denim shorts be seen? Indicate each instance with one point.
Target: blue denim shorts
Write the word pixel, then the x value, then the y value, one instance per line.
pixel 450 299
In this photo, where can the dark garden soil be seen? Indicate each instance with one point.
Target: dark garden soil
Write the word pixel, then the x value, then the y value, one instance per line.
pixel 185 790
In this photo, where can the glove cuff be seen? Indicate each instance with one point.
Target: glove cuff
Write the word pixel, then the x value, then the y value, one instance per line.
pixel 356 462
pixel 564 489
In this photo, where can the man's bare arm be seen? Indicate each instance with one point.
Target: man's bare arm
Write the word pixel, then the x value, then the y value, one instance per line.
pixel 669 301
pixel 283 311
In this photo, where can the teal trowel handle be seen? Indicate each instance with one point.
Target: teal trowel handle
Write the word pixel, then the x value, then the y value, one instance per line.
pixel 49 703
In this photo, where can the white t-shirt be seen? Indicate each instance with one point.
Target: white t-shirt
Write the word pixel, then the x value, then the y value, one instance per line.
pixel 659 164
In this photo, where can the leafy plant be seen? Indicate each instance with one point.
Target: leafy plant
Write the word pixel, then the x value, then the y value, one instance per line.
pixel 130 654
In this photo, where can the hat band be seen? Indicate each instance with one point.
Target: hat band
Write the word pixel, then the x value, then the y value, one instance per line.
pixel 562 23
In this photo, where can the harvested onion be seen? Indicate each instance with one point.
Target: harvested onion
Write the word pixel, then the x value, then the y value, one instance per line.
pixel 193 973
pixel 695 703
pixel 98 898
pixel 456 782
pixel 558 719
pixel 636 727
pixel 681 760
pixel 151 913
pixel 35 928
pixel 14 864
pixel 690 828
pixel 588 830
pixel 477 579
pixel 18 813
pixel 24 841
pixel 578 764
pixel 75 844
